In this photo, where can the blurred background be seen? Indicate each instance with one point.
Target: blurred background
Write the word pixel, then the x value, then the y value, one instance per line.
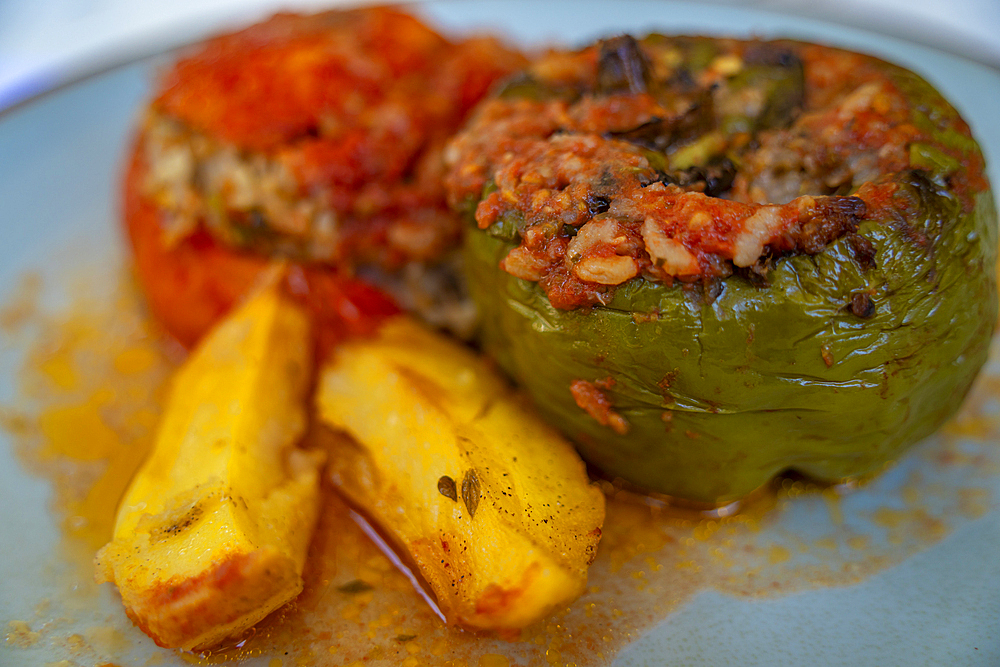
pixel 44 43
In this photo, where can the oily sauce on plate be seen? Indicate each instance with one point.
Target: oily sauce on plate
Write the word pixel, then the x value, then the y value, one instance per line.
pixel 91 384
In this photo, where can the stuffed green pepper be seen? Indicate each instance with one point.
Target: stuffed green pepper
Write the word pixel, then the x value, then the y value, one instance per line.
pixel 711 261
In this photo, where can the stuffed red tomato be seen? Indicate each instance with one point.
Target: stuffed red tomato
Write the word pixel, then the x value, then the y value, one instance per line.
pixel 314 139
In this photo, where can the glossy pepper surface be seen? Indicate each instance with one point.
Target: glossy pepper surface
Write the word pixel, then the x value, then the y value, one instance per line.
pixel 828 361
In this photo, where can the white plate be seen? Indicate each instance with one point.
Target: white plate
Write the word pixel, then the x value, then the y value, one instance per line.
pixel 47 42
pixel 59 167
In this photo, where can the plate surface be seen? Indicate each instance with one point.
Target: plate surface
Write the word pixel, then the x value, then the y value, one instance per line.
pixel 60 158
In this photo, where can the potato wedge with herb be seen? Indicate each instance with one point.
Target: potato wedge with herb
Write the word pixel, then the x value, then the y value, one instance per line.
pixel 493 507
pixel 211 536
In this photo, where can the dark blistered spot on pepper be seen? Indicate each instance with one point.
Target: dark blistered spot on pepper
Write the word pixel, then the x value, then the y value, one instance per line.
pixel 862 250
pixel 862 305
pixel 661 134
pixel 923 207
pixel 831 218
pixel 622 67
pixel 713 179
pixel 756 274
pixel 597 204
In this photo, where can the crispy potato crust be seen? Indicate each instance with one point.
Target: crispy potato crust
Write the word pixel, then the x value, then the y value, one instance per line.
pixel 221 597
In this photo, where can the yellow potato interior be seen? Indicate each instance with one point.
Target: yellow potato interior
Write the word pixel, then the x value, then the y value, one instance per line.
pixel 493 507
pixel 212 534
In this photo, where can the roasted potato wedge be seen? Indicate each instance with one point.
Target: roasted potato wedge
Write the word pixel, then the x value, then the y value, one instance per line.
pixel 493 507
pixel 211 536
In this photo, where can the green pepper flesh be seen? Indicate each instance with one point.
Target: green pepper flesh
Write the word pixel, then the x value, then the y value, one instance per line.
pixel 722 396
pixel 831 370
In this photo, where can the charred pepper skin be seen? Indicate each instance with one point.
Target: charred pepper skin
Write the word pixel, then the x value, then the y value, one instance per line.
pixel 829 364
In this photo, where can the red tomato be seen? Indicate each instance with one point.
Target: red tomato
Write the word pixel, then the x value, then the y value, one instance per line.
pixel 193 283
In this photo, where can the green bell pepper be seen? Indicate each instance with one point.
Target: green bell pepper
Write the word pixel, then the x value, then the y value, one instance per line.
pixel 722 396
pixel 842 361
